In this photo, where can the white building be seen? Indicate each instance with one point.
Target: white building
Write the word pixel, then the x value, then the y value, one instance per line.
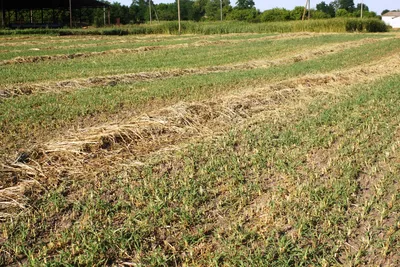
pixel 392 19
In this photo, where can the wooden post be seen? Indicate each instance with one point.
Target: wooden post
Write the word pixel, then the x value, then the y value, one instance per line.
pixel 179 19
pixel 70 14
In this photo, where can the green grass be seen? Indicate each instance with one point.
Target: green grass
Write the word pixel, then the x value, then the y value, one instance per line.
pixel 31 115
pixel 254 196
pixel 210 55
pixel 69 45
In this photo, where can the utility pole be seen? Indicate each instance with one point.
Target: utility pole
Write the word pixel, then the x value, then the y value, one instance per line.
pixel 309 9
pixel 221 8
pixel 179 18
pixel 70 14
pixel 150 10
pixel 362 6
pixel 306 6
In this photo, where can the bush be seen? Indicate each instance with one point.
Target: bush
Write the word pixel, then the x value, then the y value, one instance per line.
pixel 249 15
pixel 275 14
pixel 374 25
pixel 319 15
pixel 369 25
pixel 353 25
pixel 115 32
pixel 342 13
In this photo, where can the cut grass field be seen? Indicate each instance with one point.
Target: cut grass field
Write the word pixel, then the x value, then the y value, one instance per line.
pixel 246 150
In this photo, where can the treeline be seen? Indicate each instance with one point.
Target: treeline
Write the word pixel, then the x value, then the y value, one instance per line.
pixel 245 10
pixel 191 10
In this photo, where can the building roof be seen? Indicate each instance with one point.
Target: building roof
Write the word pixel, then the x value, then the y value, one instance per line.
pixel 56 4
pixel 392 14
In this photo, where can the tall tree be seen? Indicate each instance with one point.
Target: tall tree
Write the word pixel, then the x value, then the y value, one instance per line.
pixel 187 10
pixel 245 4
pixel 213 9
pixel 365 7
pixel 385 11
pixel 347 4
pixel 327 9
pixel 139 10
pixel 199 9
pixel 166 11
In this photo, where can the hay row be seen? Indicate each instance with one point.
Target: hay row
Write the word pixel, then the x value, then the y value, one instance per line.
pixel 69 85
pixel 155 38
pixel 87 152
pixel 36 59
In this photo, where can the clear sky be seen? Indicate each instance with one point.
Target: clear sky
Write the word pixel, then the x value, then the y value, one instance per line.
pixel 374 5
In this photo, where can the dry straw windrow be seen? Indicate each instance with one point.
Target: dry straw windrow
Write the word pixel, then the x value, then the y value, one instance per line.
pixel 36 59
pixel 87 152
pixel 68 85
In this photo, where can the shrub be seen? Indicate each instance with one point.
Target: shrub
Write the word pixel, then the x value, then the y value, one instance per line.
pixel 319 15
pixel 276 14
pixel 249 15
pixel 374 25
pixel 353 25
pixel 342 13
pixel 115 32
pixel 369 25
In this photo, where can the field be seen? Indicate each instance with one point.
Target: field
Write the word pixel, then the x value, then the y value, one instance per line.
pixel 248 149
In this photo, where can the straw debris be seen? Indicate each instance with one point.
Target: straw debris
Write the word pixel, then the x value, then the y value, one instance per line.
pixel 68 85
pixel 86 152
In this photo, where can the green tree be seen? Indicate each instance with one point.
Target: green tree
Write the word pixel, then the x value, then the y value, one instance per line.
pixel 187 10
pixel 297 13
pixel 385 11
pixel 119 11
pixel 365 7
pixel 347 5
pixel 167 11
pixel 245 4
pixel 327 9
pixel 212 10
pixel 249 15
pixel 317 14
pixel 276 14
pixel 342 13
pixel 138 11
pixel 199 9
